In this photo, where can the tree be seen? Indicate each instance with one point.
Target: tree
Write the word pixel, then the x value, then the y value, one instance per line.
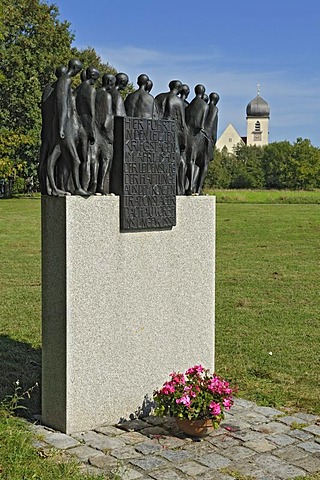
pixel 248 172
pixel 33 42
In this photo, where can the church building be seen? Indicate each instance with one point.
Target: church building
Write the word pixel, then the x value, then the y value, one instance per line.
pixel 258 115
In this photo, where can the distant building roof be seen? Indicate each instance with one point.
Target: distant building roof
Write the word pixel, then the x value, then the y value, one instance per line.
pixel 258 107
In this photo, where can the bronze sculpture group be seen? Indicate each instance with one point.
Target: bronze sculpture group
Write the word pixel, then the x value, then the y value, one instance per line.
pixel 77 138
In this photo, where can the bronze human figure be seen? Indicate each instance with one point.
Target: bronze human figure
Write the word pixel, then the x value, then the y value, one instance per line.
pixel 85 95
pixel 140 103
pixel 196 113
pixel 66 135
pixel 103 147
pixel 171 107
pixel 49 124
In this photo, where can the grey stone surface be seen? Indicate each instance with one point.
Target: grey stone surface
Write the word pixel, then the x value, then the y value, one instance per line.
pixel 214 460
pixel 150 462
pixel 101 306
pixel 60 440
pixel 99 441
pixel 165 474
pixel 314 429
pixel 83 452
pixel 223 455
pixel 277 466
pixel 281 439
pixel 312 447
pixel 192 468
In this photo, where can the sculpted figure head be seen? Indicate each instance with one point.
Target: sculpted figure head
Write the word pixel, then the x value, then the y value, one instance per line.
pixel 108 81
pixel 214 98
pixel 142 80
pixel 122 81
pixel 62 70
pixel 149 85
pixel 175 86
pixel 199 90
pixel 74 67
pixel 184 90
pixel 205 97
pixel 92 73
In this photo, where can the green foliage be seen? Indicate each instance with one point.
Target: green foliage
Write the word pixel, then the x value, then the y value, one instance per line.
pixel 33 42
pixel 278 165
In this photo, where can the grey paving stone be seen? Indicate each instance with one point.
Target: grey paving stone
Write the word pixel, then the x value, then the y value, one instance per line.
pixel 165 474
pixel 131 438
pixel 289 420
pixel 60 440
pixel 290 453
pixel 253 417
pixel 173 442
pixel 192 468
pixel 109 430
pixel 125 453
pixel 223 441
pixel 268 411
pixel 83 452
pixel 213 475
pixel 241 402
pixel 126 473
pixel 99 441
pixel 89 470
pixel 311 463
pixel 281 468
pixel 147 448
pixel 314 429
pixel 246 469
pixel 236 453
pixel 149 463
pixel 300 434
pixel 153 420
pixel 132 425
pixel 103 461
pixel 281 439
pixel 307 417
pixel 235 424
pixel 271 427
pixel 260 446
pixel 154 431
pixel 214 460
pixel 312 447
pixel 247 435
pixel 175 456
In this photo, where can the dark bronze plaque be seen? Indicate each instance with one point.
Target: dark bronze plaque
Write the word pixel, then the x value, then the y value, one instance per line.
pixel 144 173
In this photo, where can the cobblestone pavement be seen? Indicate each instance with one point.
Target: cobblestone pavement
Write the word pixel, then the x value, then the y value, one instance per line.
pixel 252 443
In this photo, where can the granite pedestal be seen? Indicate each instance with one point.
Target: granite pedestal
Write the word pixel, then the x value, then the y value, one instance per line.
pixel 121 310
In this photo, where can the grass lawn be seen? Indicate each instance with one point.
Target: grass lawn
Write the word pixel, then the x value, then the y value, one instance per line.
pixel 267 301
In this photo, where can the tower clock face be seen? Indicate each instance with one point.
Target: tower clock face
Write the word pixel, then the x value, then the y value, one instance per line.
pixel 257 137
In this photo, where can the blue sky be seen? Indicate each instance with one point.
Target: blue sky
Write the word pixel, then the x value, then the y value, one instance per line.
pixel 228 46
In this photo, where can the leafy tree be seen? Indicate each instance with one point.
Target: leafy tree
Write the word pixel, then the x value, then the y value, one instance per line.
pixel 248 172
pixel 218 175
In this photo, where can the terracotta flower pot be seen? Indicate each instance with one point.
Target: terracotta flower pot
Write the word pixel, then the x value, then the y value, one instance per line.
pixel 195 428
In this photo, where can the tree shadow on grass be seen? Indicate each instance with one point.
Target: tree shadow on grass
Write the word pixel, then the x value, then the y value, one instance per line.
pixel 20 362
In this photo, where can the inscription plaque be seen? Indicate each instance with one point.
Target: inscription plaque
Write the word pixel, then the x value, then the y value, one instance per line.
pixel 144 173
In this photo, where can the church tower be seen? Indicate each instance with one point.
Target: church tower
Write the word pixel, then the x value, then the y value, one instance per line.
pixel 258 115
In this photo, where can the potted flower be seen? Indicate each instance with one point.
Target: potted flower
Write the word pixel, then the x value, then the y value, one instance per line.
pixel 196 398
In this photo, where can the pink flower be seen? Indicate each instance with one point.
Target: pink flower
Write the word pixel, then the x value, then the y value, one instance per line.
pixel 194 370
pixel 185 400
pixel 215 408
pixel 177 378
pixel 167 388
pixel 227 403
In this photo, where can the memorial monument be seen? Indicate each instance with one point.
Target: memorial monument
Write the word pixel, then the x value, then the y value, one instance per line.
pixel 127 243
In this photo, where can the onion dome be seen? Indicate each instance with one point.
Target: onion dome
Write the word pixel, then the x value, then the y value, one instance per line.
pixel 258 108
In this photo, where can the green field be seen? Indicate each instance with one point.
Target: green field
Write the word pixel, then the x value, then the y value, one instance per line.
pixel 267 299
